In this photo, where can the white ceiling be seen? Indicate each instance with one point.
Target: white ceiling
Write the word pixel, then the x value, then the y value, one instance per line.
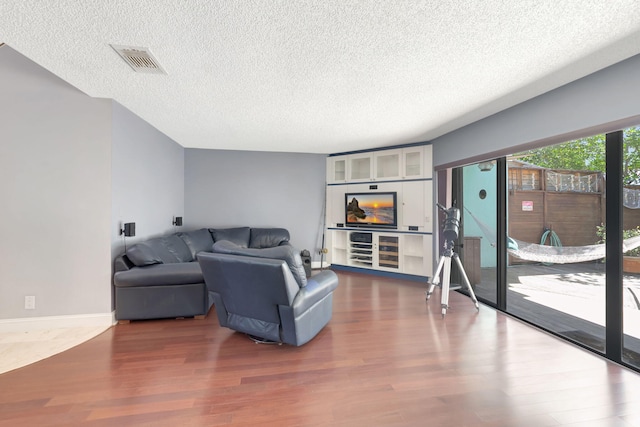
pixel 321 76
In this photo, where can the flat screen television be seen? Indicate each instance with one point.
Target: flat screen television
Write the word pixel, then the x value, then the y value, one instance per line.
pixel 378 210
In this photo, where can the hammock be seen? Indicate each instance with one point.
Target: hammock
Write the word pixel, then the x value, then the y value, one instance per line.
pixel 554 254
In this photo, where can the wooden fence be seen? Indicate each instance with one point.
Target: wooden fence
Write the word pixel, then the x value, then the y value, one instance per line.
pixel 571 203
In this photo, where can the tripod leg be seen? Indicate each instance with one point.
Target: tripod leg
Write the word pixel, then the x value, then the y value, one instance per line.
pixel 436 278
pixel 446 279
pixel 466 281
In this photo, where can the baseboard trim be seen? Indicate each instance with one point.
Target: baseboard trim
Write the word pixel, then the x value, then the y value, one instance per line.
pixel 393 275
pixel 57 322
pixel 315 265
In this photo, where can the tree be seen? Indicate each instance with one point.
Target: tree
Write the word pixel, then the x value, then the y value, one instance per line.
pixel 588 154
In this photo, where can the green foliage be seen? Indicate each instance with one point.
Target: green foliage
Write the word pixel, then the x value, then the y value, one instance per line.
pixel 588 154
pixel 601 232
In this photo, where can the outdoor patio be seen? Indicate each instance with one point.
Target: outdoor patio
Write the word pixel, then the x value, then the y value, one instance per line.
pixel 568 299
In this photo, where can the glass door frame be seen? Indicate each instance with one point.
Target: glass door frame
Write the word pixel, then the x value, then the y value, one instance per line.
pixel 613 267
pixel 614 290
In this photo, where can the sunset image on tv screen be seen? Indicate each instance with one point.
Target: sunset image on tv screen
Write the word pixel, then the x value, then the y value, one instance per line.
pixel 371 209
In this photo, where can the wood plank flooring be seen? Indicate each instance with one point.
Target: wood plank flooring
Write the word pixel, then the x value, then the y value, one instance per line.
pixel 387 358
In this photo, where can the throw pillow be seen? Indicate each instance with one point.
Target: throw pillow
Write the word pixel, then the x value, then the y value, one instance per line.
pixel 141 254
pixel 197 240
pixel 239 235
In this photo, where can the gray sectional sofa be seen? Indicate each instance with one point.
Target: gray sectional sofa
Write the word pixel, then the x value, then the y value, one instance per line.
pixel 161 277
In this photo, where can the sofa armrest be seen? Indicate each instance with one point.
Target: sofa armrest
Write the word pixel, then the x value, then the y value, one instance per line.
pixel 268 237
pixel 122 263
pixel 318 287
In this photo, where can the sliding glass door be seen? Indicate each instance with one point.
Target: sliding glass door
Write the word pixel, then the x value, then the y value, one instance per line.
pixel 556 277
pixel 543 235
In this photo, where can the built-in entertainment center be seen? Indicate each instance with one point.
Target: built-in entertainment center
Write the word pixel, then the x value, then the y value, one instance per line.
pixel 379 213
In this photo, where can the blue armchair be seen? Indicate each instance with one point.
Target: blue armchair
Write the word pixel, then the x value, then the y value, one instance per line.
pixel 264 292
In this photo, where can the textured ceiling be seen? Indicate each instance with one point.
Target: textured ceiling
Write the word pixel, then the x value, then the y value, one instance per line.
pixel 321 76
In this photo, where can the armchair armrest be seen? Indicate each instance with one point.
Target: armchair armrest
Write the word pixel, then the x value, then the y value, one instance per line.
pixel 318 287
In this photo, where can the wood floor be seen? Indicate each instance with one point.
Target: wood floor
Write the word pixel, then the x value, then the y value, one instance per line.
pixel 387 358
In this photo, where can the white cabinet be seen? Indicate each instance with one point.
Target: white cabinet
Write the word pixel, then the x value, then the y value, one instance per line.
pixel 417 206
pixel 379 251
pixel 405 248
pixel 336 169
pixel 401 163
pixel 416 254
pixel 373 188
pixel 349 168
pixel 417 162
pixel 386 251
pixel 335 205
pixel 386 164
pixel 360 167
pixel 427 162
pixel 412 218
pixel 412 162
pixel 383 165
pixel 337 244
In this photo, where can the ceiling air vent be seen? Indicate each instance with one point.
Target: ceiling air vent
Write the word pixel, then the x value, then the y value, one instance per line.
pixel 140 59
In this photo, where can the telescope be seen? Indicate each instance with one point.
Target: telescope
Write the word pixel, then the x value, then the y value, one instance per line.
pixel 451 224
pixel 450 230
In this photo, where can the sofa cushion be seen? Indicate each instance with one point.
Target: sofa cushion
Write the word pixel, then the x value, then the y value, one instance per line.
pixel 197 240
pixel 268 237
pixel 239 235
pixel 142 254
pixel 286 253
pixel 160 250
pixel 160 275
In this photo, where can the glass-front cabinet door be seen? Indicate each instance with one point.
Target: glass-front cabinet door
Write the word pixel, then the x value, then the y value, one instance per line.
pixel 388 251
pixel 360 167
pixel 337 169
pixel 412 162
pixel 387 164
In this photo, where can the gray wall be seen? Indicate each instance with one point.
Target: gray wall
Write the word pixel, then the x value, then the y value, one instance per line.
pixel 55 188
pixel 72 169
pixel 147 179
pixel 244 188
pixel 604 101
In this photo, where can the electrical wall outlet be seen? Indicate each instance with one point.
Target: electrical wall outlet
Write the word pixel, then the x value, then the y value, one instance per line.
pixel 30 302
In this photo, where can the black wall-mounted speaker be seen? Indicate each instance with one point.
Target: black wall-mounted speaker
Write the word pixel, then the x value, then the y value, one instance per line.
pixel 178 221
pixel 129 229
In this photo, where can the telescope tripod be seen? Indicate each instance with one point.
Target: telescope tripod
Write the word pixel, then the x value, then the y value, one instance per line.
pixel 444 266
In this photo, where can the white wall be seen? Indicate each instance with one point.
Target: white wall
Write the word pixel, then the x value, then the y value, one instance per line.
pixel 147 179
pixel 483 210
pixel 604 101
pixel 226 188
pixel 55 188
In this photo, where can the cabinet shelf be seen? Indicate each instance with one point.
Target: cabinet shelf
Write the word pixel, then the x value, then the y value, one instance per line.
pixel 389 264
pixel 373 250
